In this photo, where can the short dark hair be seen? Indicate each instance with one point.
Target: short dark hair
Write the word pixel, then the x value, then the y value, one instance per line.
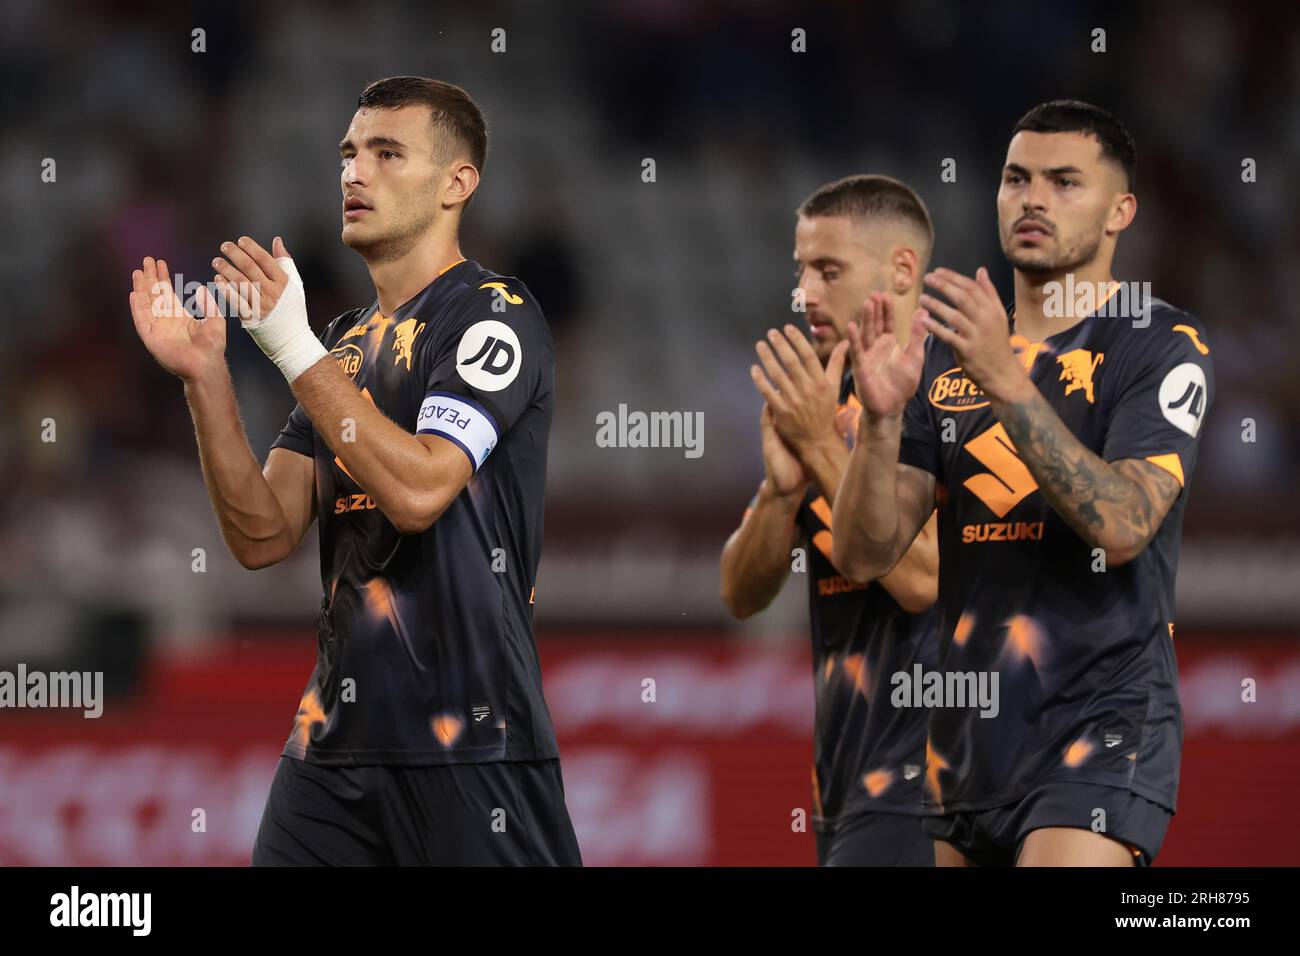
pixel 872 197
pixel 1076 116
pixel 453 113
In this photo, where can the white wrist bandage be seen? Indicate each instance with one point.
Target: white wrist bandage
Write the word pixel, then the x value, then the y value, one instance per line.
pixel 285 335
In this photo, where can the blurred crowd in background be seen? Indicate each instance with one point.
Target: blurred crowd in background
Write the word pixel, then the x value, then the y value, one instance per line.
pixel 656 291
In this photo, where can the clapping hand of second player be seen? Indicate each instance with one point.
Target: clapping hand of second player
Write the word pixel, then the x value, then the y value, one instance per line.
pixel 885 375
pixel 802 395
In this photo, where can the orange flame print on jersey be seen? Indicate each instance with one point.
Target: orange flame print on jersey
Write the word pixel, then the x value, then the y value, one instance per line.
pixel 1025 639
pixel 309 713
pixel 961 633
pixel 933 764
pixel 447 728
pixel 379 600
pixel 878 781
pixel 855 671
pixel 1078 752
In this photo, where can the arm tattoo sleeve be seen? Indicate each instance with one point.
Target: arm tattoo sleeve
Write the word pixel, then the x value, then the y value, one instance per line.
pixel 1117 506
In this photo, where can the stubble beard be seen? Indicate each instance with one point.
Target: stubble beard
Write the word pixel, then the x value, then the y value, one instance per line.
pixel 394 244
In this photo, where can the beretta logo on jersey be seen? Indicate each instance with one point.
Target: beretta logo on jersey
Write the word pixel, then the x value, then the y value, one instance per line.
pixel 489 356
pixel 954 392
pixel 349 358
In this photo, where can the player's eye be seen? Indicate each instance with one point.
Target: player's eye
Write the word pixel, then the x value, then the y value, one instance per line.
pixel 830 275
pixel 387 154
pixel 1068 182
pixel 1013 177
pixel 343 162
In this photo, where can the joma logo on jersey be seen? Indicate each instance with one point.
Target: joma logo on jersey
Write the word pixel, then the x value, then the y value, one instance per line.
pixel 954 392
pixel 503 292
pixel 1192 334
pixel 1077 368
pixel 349 358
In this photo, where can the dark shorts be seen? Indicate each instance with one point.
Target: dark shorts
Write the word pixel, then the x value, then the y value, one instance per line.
pixel 875 839
pixel 485 814
pixel 994 837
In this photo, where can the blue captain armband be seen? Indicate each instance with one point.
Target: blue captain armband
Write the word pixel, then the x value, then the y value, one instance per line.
pixel 459 420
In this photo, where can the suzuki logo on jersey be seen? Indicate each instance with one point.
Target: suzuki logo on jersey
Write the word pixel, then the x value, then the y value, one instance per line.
pixel 1009 482
pixel 489 356
pixel 1006 484
pixel 954 392
pixel 1077 368
pixel 1182 397
pixel 836 583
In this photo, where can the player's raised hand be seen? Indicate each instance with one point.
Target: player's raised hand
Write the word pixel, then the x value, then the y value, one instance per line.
pixel 977 331
pixel 801 394
pixel 182 344
pixel 251 278
pixel 271 301
pixel 785 474
pixel 884 375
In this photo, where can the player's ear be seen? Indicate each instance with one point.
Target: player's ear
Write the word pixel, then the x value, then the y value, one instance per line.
pixel 904 269
pixel 1122 213
pixel 461 184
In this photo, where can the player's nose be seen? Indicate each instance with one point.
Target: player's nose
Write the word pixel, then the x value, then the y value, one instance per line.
pixel 353 173
pixel 810 288
pixel 1036 197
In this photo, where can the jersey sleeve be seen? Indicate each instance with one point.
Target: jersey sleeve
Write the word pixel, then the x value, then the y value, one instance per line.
pixel 1165 389
pixel 496 362
pixel 298 434
pixel 919 445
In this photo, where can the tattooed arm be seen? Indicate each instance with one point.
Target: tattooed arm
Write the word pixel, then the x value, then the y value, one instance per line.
pixel 1117 506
